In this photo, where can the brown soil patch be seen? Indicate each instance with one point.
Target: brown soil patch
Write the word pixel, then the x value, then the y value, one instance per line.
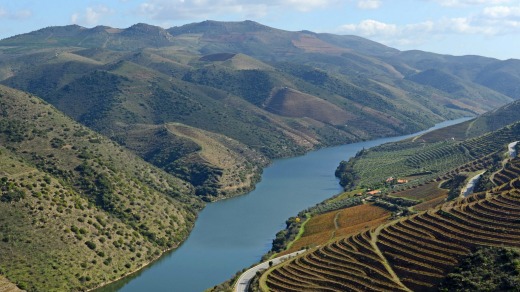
pixel 292 103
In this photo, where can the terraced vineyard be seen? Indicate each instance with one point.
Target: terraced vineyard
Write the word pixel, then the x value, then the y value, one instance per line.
pixel 507 177
pixel 413 253
pixel 336 224
pixel 428 190
pixel 423 161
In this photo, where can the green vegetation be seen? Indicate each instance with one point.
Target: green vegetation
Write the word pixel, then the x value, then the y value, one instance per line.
pixel 422 160
pixel 455 185
pixel 486 269
pixel 10 192
pixel 284 237
pixel 76 210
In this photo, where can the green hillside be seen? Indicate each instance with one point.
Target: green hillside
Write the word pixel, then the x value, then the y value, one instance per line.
pixel 426 156
pixel 500 76
pixel 77 210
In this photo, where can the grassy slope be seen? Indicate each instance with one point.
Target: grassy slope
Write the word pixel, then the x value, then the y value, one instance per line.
pixel 238 166
pixel 79 187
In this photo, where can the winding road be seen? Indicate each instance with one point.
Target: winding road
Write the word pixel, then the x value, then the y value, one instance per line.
pixel 512 149
pixel 243 281
pixel 468 189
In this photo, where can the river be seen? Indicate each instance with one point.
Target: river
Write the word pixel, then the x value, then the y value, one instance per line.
pixel 233 234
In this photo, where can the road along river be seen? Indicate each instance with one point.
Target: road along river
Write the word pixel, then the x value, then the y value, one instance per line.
pixel 233 234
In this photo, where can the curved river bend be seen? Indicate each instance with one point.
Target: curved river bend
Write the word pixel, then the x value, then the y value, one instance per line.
pixel 233 234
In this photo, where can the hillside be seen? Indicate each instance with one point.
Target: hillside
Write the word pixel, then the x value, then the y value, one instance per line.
pixel 397 183
pixel 501 76
pixel 411 254
pixel 442 245
pixel 192 113
pixel 427 156
pixel 77 210
pixel 274 93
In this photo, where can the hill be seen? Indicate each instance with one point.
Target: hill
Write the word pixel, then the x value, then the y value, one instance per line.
pixel 276 93
pixel 77 210
pixel 412 254
pixel 427 156
pixel 443 247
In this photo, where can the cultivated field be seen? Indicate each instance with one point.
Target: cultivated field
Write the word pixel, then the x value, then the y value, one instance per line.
pixel 413 253
pixel 322 228
pixel 422 161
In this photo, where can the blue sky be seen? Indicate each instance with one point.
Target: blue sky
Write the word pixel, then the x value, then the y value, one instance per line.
pixel 458 27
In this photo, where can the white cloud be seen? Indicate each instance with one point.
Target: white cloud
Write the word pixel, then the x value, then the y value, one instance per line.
pixel 371 28
pixel 303 5
pixel 15 15
pixel 391 34
pixel 489 21
pixel 201 9
pixel 461 3
pixel 369 4
pixel 502 12
pixel 91 16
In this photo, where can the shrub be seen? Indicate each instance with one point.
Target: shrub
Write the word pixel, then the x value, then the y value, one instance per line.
pixel 90 245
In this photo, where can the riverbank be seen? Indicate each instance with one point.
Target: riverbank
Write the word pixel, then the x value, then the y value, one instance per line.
pixel 103 287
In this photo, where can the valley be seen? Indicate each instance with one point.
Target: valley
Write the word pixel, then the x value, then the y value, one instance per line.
pixel 220 244
pixel 114 142
pixel 239 78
